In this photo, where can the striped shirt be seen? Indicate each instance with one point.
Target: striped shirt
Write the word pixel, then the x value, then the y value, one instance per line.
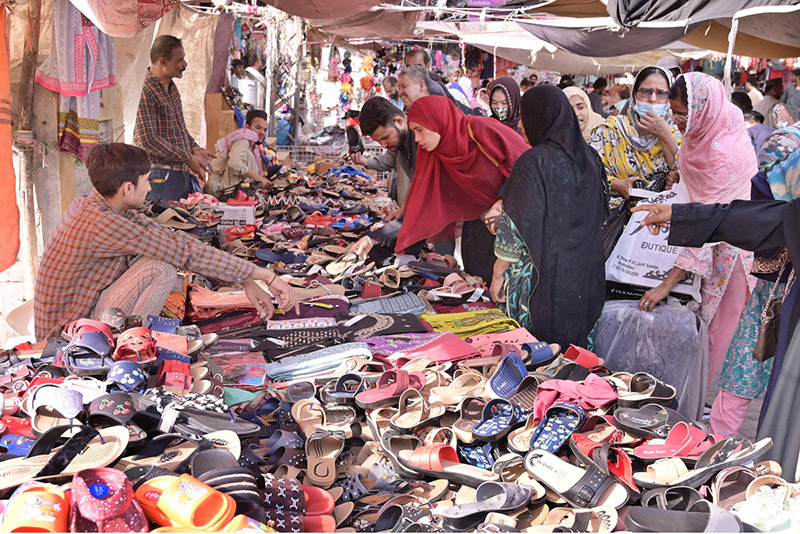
pixel 160 128
pixel 93 246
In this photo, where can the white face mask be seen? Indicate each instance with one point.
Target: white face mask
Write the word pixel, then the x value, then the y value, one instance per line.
pixel 501 113
pixel 641 108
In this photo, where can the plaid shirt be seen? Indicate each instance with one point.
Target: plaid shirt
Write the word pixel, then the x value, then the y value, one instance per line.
pixel 92 247
pixel 160 128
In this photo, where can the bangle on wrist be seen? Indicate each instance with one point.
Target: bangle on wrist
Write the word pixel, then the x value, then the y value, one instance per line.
pixel 274 277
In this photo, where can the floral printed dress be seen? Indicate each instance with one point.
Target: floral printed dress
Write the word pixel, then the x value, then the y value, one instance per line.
pixel 510 247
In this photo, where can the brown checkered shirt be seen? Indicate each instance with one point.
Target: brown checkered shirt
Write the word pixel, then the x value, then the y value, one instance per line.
pixel 92 247
pixel 160 128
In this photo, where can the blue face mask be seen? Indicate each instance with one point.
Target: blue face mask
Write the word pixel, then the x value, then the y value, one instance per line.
pixel 641 108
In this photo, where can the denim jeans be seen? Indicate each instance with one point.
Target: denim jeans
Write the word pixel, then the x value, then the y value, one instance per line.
pixel 168 184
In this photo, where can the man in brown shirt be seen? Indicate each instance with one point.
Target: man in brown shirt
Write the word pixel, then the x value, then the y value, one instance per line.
pixel 105 253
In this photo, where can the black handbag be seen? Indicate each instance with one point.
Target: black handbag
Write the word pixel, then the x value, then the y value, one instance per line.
pixel 614 226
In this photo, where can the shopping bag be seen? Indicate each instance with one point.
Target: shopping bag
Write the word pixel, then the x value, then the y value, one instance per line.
pixel 643 259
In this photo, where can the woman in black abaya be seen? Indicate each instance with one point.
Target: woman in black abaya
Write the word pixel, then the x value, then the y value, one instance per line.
pixel 549 269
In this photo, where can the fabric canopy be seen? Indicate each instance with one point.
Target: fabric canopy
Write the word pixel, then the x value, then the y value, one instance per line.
pixel 512 42
pixel 677 13
pixel 323 9
pixel 381 24
pixel 123 18
pixel 594 37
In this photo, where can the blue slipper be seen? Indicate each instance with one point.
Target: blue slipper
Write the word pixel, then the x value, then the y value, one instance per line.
pixel 505 381
pixel 560 421
pixel 542 353
pixel 498 418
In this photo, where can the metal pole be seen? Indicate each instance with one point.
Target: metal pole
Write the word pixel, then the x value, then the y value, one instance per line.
pixel 26 156
pixel 298 77
pixel 272 85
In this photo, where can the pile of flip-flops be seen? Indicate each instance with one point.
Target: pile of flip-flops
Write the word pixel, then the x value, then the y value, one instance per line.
pixel 397 399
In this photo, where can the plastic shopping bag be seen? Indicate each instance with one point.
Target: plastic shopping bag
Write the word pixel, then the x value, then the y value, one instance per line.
pixel 643 259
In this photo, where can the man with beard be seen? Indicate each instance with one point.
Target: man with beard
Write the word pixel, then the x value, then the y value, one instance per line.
pixel 387 125
pixel 160 129
pixel 392 91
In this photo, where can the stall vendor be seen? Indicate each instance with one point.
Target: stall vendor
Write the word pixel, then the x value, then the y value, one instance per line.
pixel 161 130
pixel 106 254
pixel 238 156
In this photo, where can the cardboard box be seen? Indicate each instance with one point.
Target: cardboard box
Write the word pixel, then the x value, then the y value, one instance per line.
pixel 236 215
pixel 323 165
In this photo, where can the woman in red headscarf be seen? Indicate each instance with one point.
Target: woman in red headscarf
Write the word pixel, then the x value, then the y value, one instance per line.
pixel 461 166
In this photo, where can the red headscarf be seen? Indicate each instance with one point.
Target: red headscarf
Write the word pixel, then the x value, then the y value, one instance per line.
pixel 457 181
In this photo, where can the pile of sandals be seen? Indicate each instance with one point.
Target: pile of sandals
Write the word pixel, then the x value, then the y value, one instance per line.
pixel 399 399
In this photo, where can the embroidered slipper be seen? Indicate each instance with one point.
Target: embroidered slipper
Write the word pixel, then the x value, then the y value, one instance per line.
pixel 116 409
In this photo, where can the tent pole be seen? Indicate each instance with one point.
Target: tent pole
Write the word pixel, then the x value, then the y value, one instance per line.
pixel 25 111
pixel 729 58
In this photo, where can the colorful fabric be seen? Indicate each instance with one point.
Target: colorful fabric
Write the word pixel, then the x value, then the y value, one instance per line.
pixel 91 248
pixel 510 87
pixel 78 124
pixel 9 245
pixel 594 120
pixel 779 159
pixel 510 247
pixel 160 127
pixel 469 324
pixel 713 159
pixel 82 58
pixel 457 181
pixel 237 154
pixel 716 165
pixel 742 374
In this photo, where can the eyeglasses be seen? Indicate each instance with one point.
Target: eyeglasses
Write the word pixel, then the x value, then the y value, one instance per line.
pixel 647 92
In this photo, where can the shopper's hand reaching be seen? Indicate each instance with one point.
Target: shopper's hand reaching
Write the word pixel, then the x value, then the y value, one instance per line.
pixel 395 215
pixel 358 158
pixel 362 247
pixel 659 215
pixel 284 293
pixel 497 287
pixel 673 177
pixel 261 299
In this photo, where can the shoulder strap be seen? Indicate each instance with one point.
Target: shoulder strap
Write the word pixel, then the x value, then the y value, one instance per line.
pixel 472 136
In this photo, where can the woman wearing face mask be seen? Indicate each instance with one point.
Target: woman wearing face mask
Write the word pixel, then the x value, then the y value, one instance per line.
pixel 461 163
pixel 642 143
pixel 504 101
pixel 716 164
pixel 588 119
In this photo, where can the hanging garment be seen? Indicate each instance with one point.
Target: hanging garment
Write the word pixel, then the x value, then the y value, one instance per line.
pixel 81 63
pixel 9 245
